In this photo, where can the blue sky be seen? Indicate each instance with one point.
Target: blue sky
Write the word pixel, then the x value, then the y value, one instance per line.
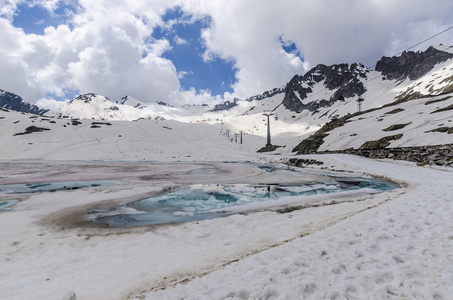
pixel 33 19
pixel 204 51
pixel 216 75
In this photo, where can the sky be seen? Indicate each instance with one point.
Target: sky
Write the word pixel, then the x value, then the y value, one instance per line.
pixel 198 51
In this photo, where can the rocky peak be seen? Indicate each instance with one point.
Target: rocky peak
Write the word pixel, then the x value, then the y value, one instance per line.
pixel 342 77
pixel 412 65
pixel 267 94
pixel 225 105
pixel 87 98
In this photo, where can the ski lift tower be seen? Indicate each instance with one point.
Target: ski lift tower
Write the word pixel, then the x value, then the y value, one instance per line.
pixel 359 104
pixel 222 129
pixel 268 114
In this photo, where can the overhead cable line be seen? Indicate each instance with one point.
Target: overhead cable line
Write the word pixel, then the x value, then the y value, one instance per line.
pixel 431 37
pixel 425 40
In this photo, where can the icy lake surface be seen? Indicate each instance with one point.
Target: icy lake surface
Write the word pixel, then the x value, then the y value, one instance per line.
pixel 205 201
pixel 26 188
pixel 6 204
pixel 31 188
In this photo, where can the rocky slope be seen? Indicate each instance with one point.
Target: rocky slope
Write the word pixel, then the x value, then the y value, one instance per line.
pixel 12 101
pixel 412 65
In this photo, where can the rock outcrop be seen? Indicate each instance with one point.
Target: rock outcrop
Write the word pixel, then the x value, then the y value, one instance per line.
pixel 440 155
pixel 14 102
pixel 342 77
pixel 412 65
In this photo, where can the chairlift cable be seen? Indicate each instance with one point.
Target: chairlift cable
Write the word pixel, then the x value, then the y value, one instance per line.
pixel 368 80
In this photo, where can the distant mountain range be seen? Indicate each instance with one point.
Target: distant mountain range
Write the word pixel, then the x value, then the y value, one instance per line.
pixel 317 92
pixel 406 101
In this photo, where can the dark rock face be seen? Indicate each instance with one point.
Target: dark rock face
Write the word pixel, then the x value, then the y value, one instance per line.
pixel 440 155
pixel 14 102
pixel 87 98
pixel 230 104
pixel 381 143
pixel 266 94
pixel 343 77
pixel 412 65
pixel 313 142
pixel 302 163
pixel 125 100
pixel 32 129
pixel 163 103
pixel 225 106
pixel 268 148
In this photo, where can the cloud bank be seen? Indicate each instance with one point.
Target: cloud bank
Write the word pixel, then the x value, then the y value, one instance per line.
pixel 107 47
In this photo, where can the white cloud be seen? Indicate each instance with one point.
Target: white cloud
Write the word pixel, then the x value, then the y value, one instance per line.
pixel 194 97
pixel 8 8
pixel 180 41
pixel 106 47
pixel 49 103
pixel 14 67
pixel 106 53
pixel 50 5
pixel 182 74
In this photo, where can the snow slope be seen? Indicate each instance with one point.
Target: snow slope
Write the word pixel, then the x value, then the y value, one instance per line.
pixel 420 117
pixel 117 140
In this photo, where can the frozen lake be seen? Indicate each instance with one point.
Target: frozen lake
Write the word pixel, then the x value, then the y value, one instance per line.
pixel 46 187
pixel 194 191
pixel 313 231
pixel 206 201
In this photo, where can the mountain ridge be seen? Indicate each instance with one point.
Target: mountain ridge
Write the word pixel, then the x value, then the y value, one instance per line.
pixel 15 102
pixel 393 114
pixel 320 87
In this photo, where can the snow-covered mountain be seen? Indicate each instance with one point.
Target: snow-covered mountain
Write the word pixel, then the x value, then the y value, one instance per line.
pixel 12 101
pixel 327 93
pixel 128 100
pixel 406 100
pixel 417 111
pixel 326 86
pixel 322 94
pixel 98 107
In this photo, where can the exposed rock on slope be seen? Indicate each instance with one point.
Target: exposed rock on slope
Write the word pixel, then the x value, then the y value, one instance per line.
pixel 343 77
pixel 127 100
pixel 412 65
pixel 14 102
pixel 422 133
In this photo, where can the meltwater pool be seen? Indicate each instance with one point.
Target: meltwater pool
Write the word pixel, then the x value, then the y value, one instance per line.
pixel 206 201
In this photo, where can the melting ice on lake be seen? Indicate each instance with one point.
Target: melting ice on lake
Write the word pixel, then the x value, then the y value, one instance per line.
pixel 207 201
pixel 6 204
pixel 31 188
